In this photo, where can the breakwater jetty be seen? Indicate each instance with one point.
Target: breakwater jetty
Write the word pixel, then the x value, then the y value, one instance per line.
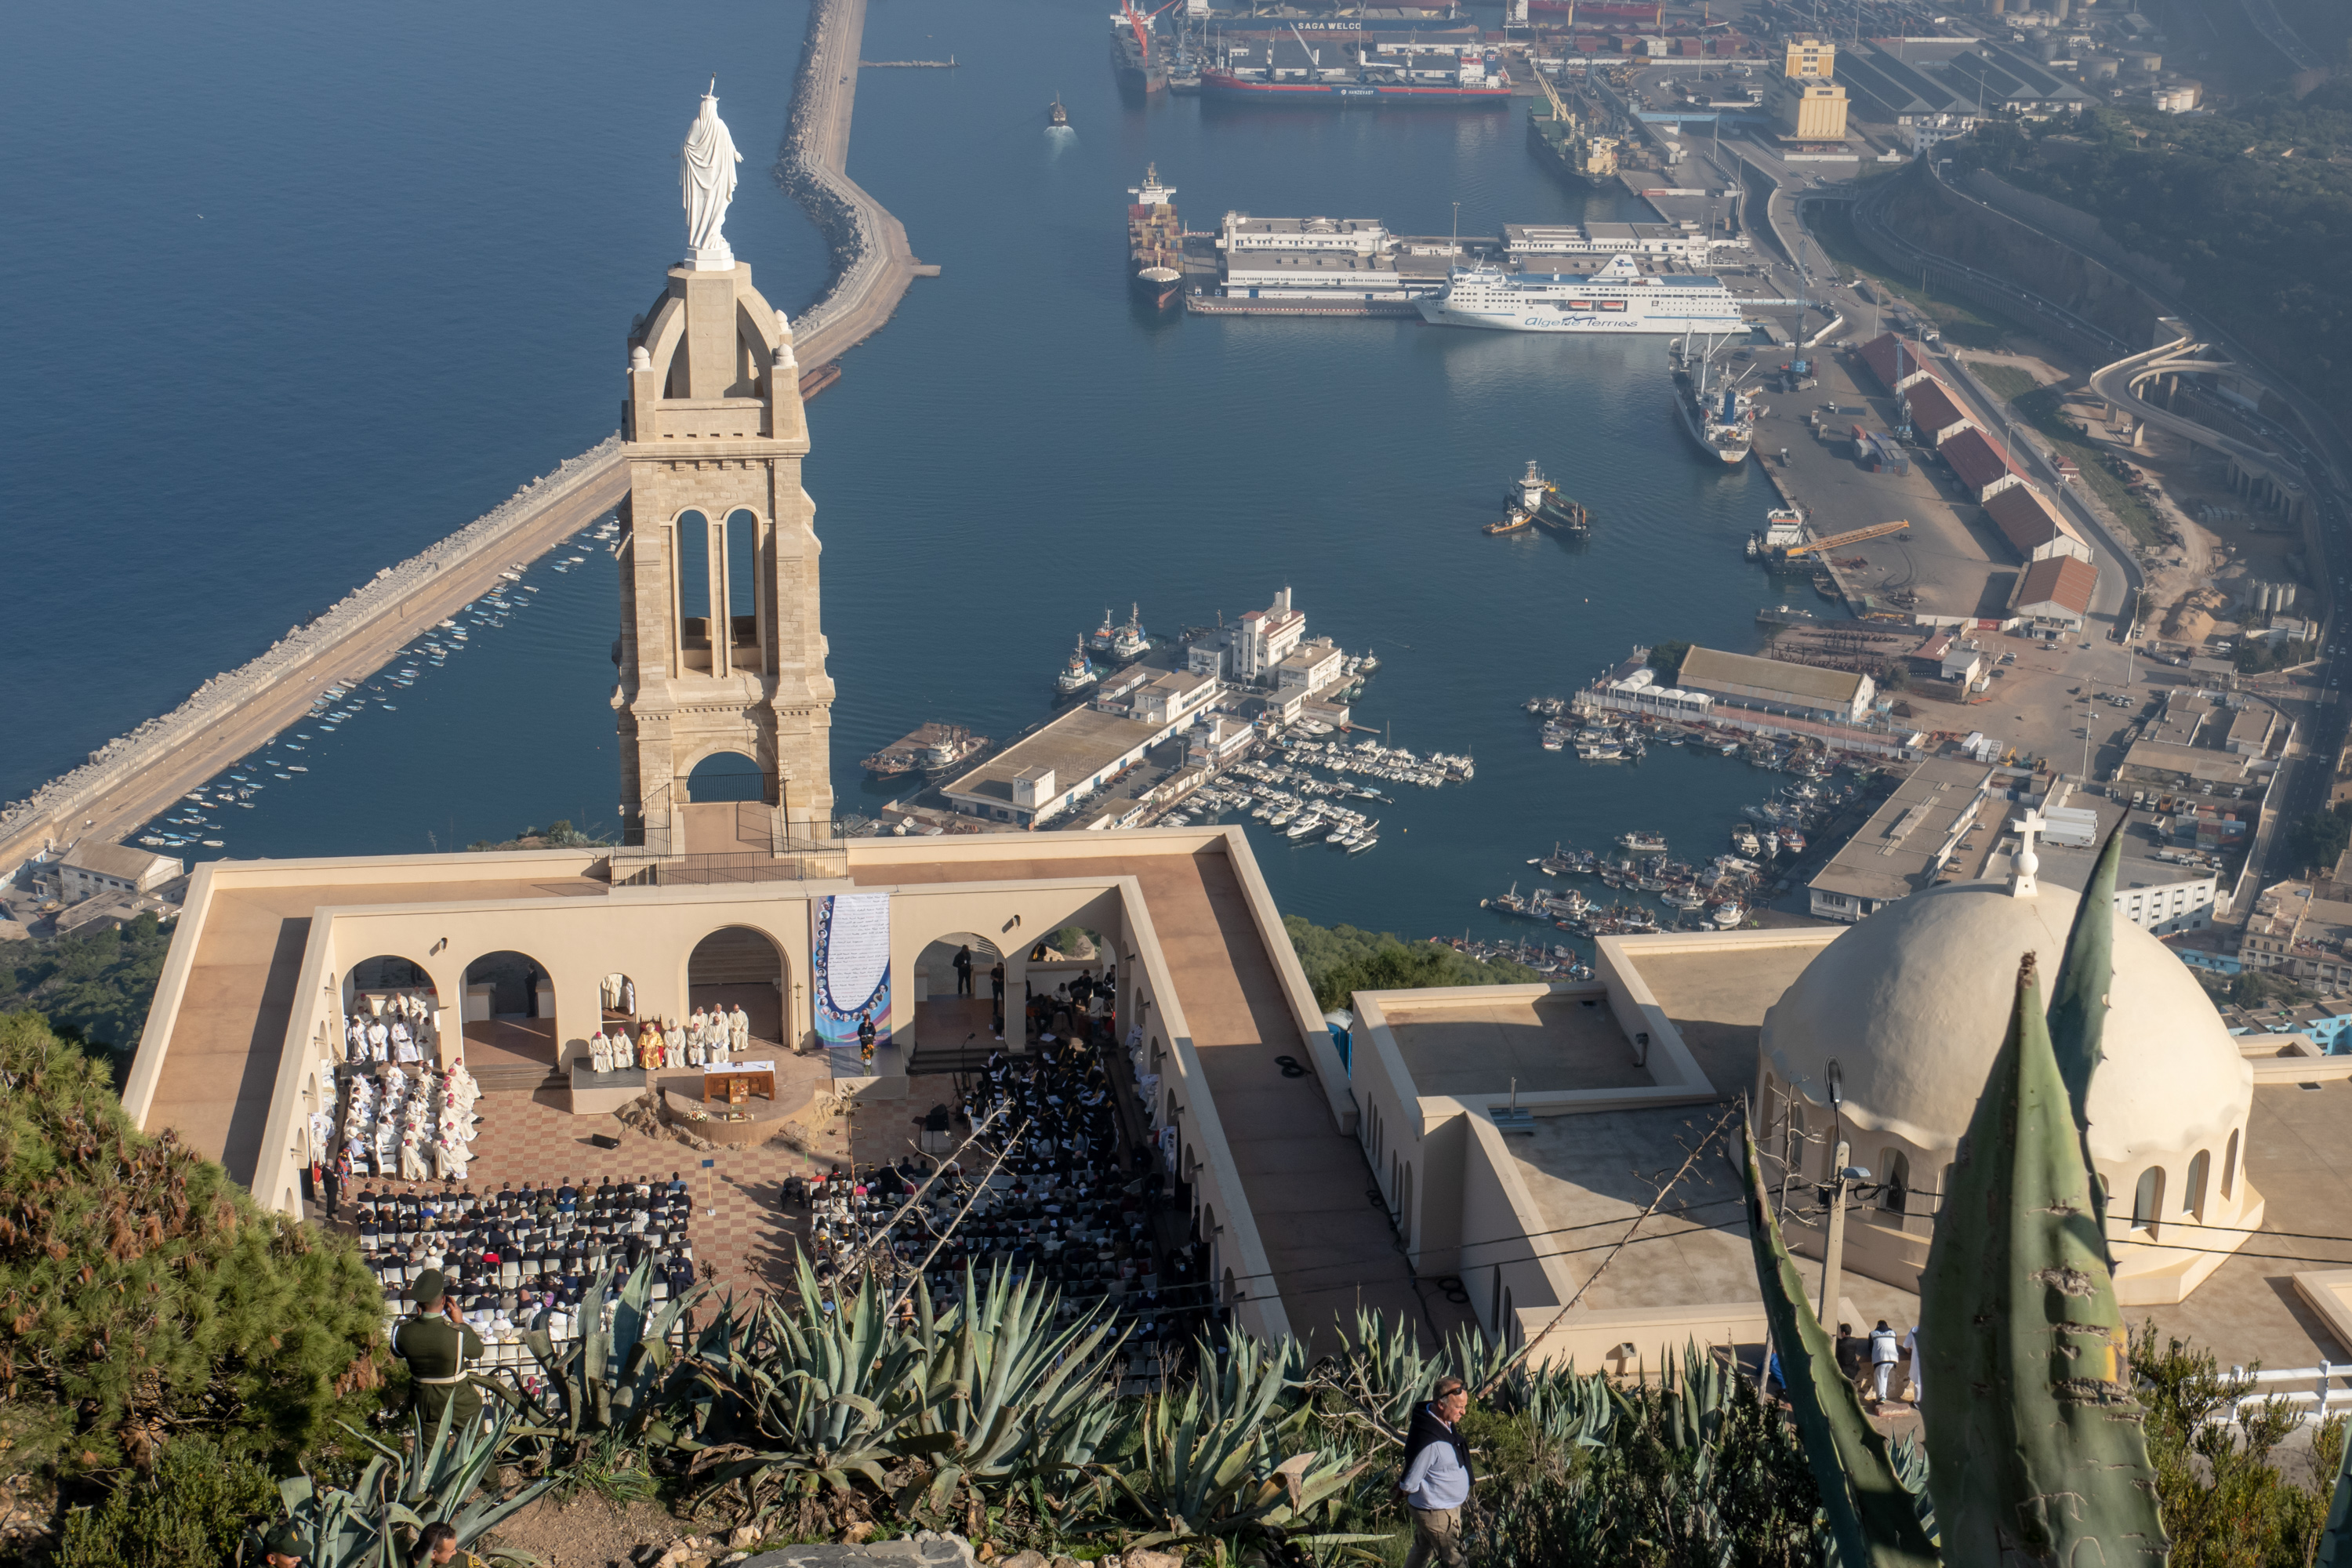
pixel 134 776
pixel 872 260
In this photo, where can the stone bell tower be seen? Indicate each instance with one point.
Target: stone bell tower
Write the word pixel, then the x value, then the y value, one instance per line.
pixel 709 663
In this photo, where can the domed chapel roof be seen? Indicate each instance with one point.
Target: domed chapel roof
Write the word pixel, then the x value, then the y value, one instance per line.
pixel 1914 1002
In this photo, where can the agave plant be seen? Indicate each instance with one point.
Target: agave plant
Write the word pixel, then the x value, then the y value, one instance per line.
pixel 802 1394
pixel 440 1483
pixel 609 1381
pixel 1005 1393
pixel 1203 1471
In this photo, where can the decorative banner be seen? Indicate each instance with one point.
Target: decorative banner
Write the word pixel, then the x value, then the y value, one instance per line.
pixel 852 944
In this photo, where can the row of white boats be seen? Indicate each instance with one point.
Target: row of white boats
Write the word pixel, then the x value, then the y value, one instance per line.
pixel 1368 758
pixel 190 821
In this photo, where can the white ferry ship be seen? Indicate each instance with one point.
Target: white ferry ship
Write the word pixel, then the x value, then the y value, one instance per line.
pixel 1620 298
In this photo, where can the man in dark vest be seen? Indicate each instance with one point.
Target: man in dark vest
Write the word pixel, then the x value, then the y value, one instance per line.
pixel 437 1344
pixel 1437 1476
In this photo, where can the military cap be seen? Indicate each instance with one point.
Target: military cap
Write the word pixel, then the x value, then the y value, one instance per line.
pixel 286 1540
pixel 427 1290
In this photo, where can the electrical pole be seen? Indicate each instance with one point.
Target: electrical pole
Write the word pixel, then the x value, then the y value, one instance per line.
pixel 1833 1254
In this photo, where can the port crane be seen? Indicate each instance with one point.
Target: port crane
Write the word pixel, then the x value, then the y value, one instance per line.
pixel 1840 541
pixel 1139 20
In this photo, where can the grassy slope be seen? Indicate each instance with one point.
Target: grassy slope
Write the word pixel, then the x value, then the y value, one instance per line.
pixel 1966 325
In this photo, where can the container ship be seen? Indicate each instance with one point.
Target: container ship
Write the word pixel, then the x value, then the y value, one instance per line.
pixel 1155 242
pixel 1138 54
pixel 1619 298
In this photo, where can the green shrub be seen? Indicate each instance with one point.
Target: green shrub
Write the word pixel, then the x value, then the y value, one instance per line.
pixel 142 1292
pixel 188 1511
pixel 1341 960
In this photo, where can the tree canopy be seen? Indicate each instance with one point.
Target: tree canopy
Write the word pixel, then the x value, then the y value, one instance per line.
pixel 144 1293
pixel 1341 960
pixel 96 986
pixel 2252 207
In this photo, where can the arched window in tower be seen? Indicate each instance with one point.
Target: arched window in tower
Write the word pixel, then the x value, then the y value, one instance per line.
pixel 2147 1201
pixel 2230 1167
pixel 2199 1169
pixel 690 560
pixel 743 587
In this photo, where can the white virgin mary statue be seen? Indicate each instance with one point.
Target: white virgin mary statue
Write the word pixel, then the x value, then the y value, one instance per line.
pixel 706 178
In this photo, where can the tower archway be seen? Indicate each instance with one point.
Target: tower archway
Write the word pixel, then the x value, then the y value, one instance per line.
pixel 510 1025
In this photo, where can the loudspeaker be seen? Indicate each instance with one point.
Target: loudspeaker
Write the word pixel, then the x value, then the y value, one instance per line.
pixel 604 1140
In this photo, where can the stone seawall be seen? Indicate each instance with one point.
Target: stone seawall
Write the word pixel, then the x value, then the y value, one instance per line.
pixel 872 261
pixel 322 649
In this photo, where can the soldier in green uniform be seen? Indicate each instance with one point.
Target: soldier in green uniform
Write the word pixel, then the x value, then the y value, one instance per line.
pixel 282 1548
pixel 437 1345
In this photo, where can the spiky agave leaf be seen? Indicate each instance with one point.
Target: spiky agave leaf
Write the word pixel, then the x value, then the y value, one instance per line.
pixel 2078 998
pixel 1870 1514
pixel 2039 1456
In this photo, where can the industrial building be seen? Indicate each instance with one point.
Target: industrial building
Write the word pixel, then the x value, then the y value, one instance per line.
pixel 1770 686
pixel 1928 831
pixel 2032 526
pixel 1979 462
pixel 2055 592
pixel 1929 407
pixel 1894 361
pixel 1805 99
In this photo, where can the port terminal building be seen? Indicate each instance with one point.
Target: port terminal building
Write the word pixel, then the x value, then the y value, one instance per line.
pixel 1774 686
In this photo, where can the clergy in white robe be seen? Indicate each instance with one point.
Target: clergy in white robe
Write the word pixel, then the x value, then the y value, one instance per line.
pixel 738 1030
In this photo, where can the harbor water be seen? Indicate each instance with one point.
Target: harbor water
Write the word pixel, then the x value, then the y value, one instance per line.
pixel 345 283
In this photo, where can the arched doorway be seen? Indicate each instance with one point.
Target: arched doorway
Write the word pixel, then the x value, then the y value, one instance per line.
pixel 390 1012
pixel 616 995
pixel 509 1021
pixel 958 1008
pixel 1070 986
pixel 738 966
pixel 725 777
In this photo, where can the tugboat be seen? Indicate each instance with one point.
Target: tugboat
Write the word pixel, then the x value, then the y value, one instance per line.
pixel 1130 643
pixel 1056 114
pixel 1104 635
pixel 1540 500
pixel 1078 673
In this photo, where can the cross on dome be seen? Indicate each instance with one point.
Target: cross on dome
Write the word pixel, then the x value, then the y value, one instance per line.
pixel 2021 884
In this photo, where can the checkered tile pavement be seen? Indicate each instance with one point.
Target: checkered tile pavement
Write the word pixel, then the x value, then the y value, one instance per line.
pixel 749 1241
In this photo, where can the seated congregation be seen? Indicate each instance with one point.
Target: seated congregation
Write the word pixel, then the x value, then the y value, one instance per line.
pixel 519 1259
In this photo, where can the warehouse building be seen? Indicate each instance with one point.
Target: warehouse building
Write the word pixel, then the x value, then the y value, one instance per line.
pixel 1770 685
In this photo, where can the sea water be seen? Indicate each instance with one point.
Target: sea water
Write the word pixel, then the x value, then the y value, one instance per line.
pixel 300 292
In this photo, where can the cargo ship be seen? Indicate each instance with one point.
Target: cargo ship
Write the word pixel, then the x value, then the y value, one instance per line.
pixel 1722 418
pixel 1560 137
pixel 1544 506
pixel 934 750
pixel 1136 52
pixel 1155 244
pixel 1619 298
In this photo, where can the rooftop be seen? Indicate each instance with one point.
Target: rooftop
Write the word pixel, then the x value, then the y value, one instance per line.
pixel 1075 746
pixel 2027 520
pixel 1939 825
pixel 1975 456
pixel 1931 405
pixel 1892 359
pixel 2065 580
pixel 1714 671
pixel 106 859
pixel 1473 1047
